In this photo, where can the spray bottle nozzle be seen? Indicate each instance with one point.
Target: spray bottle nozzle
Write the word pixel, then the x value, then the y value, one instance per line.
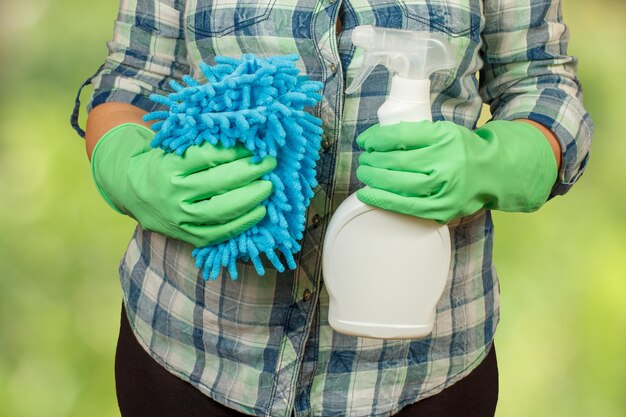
pixel 409 54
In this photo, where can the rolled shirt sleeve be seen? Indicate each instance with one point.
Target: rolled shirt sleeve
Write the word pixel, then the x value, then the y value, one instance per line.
pixel 147 51
pixel 527 74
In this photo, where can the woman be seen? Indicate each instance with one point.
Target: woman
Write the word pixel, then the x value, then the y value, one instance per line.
pixel 263 346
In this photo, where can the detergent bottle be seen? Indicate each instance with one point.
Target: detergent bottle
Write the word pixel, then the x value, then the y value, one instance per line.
pixel 384 271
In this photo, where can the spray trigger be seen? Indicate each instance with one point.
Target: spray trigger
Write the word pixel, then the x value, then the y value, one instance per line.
pixel 366 70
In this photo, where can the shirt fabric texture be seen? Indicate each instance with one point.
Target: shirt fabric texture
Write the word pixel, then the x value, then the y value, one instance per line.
pixel 263 345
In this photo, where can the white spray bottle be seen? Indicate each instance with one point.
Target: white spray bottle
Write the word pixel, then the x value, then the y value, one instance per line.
pixel 384 271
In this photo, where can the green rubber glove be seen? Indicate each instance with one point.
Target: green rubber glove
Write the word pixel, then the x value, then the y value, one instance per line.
pixel 442 170
pixel 206 196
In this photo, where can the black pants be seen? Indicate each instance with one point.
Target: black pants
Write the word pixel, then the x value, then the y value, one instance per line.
pixel 146 389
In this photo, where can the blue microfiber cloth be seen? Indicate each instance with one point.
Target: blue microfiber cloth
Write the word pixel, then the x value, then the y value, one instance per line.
pixel 259 103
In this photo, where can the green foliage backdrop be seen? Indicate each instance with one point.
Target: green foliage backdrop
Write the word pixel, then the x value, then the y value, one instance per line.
pixel 562 338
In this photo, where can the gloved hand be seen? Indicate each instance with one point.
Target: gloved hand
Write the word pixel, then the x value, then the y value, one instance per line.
pixel 206 196
pixel 442 170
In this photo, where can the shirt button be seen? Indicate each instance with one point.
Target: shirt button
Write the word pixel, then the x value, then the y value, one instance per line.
pixel 331 1
pixel 333 68
pixel 306 296
pixel 316 220
pixel 326 143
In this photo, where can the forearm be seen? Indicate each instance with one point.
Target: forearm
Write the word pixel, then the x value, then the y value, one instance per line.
pixel 105 117
pixel 537 79
pixel 551 138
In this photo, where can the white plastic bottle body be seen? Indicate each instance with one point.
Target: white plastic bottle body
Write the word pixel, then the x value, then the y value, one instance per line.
pixel 384 271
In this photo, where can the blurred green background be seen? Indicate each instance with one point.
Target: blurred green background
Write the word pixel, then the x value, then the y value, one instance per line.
pixel 562 338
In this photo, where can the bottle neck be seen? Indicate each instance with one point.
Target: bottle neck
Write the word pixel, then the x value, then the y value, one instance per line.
pixel 408 101
pixel 406 89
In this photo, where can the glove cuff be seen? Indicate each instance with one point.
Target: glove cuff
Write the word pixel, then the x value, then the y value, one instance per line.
pixel 526 160
pixel 104 157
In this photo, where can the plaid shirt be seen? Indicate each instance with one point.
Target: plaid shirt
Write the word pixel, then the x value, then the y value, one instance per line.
pixel 263 346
